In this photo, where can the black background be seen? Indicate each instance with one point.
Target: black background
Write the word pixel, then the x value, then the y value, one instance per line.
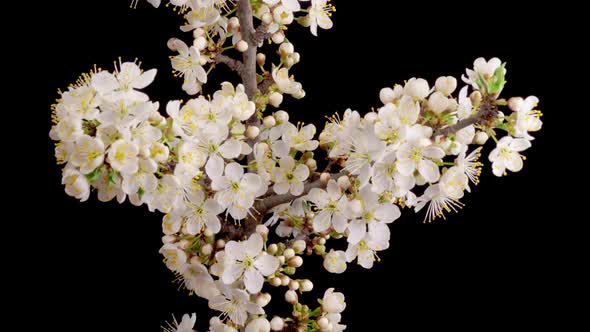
pixel 500 263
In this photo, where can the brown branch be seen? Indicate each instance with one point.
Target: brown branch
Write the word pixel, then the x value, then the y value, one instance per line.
pixel 260 34
pixel 262 206
pixel 233 64
pixel 248 71
pixel 265 85
pixel 487 112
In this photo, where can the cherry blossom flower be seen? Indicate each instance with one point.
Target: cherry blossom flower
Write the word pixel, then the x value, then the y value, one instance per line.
pixel 248 260
pixel 289 176
pixel 506 155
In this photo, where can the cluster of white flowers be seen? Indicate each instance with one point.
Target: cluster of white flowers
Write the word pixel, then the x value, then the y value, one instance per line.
pixel 218 165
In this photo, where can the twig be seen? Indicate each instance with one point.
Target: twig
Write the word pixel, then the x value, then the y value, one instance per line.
pixel 487 112
pixel 233 64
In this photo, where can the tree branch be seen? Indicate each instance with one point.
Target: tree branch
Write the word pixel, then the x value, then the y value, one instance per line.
pixel 265 85
pixel 233 64
pixel 260 35
pixel 487 111
pixel 269 202
pixel 248 71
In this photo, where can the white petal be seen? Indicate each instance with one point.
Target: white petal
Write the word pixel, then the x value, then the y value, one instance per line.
pixel 387 213
pixel 322 221
pixel 429 170
pixel 235 250
pixel 253 246
pixel 357 229
pixel 231 273
pixel 214 167
pixel 267 264
pixel 297 188
pixel 253 280
pixel 144 79
pixel 230 149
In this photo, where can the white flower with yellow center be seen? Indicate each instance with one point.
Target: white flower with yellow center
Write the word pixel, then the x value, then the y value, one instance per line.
pixel 67 130
pixel 236 191
pixel 76 184
pixel 438 203
pixel 506 155
pixel 186 324
pixel 122 156
pixel 319 15
pixel 234 303
pixel 386 177
pixel 292 5
pixel 248 259
pixel 527 119
pixel 335 261
pixel 367 148
pixel 203 14
pixel 188 64
pixel 300 140
pixel 416 156
pixel 330 204
pixel 174 257
pixel 286 83
pixel 333 302
pixel 88 153
pixel 453 182
pixel 373 218
pixel 289 176
pixel 481 69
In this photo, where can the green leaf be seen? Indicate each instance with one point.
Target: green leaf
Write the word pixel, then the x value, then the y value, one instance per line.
pixel 498 80
pixel 113 175
pixel 94 175
pixel 140 192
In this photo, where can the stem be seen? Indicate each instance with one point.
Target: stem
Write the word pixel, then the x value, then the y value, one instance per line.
pixel 248 72
pixel 486 113
pixel 233 64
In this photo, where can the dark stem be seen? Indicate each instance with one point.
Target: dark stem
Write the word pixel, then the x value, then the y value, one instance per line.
pixel 487 112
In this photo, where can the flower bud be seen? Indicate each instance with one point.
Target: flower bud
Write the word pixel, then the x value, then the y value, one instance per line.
pixel 288 253
pixel 294 285
pixel 272 249
pixel 275 281
pixel 438 102
pixel 371 117
pixel 296 57
pixel 207 249
pixel 263 299
pixel 277 323
pixel 233 24
pixel 286 49
pixel 475 97
pixel 278 37
pixel 266 18
pixel 252 132
pixel 515 103
pixel 285 280
pixel 289 62
pixel 481 138
pixel 323 323
pixel 275 99
pixel 262 230
pixel 242 46
pixel 325 177
pixel 417 88
pixel 306 285
pixel 258 325
pixel 291 297
pixel 386 95
pixel 208 232
pixel 344 182
pixel 195 260
pixel 446 85
pixel 311 164
pixel 260 59
pixel 220 244
pixel 269 121
pixel 282 116
pixel 200 43
pixel 295 261
pixel 299 246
